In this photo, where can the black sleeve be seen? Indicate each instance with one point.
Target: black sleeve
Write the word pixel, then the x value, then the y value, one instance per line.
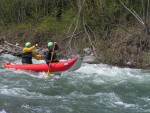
pixel 46 57
pixel 47 54
pixel 56 47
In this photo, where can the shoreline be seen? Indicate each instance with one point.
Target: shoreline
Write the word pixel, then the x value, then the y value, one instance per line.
pixel 121 52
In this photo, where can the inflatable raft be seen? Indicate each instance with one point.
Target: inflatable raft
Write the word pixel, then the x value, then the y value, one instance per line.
pixel 68 65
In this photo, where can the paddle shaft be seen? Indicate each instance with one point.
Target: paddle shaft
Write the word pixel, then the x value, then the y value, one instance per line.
pixel 48 72
pixel 52 55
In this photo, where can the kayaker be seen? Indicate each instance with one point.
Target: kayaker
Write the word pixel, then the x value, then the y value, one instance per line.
pixel 51 52
pixel 28 53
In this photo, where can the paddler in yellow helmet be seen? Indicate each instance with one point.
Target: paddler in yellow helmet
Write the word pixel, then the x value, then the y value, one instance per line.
pixel 28 53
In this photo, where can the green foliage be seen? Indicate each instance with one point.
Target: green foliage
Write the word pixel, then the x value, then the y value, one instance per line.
pixel 146 56
pixel 101 14
pixel 21 26
pixel 49 23
pixel 56 15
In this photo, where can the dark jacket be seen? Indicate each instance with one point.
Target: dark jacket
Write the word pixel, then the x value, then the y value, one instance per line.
pixel 27 58
pixel 48 54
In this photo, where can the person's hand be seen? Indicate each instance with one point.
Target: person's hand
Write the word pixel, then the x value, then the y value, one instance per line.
pixel 42 56
pixel 17 44
pixel 43 50
pixel 36 45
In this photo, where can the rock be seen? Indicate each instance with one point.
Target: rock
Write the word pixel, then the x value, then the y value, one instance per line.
pixel 128 63
pixel 1 50
pixel 89 59
pixel 87 51
pixel 2 40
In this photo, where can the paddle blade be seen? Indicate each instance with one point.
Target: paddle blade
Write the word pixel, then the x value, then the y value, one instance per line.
pixel 48 74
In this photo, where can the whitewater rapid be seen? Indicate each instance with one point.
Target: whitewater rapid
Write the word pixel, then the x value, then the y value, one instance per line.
pixel 94 88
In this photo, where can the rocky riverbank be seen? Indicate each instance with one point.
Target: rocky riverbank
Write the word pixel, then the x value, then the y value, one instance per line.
pixel 124 50
pixel 16 50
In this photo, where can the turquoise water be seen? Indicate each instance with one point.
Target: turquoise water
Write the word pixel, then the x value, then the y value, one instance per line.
pixel 91 89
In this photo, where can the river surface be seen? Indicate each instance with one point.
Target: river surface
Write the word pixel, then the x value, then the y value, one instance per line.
pixel 94 88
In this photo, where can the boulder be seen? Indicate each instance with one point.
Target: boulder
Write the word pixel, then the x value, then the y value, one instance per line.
pixel 87 51
pixel 89 59
pixel 1 50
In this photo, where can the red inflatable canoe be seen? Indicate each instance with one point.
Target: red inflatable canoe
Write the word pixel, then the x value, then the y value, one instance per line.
pixel 68 65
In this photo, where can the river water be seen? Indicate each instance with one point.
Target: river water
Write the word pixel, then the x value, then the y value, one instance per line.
pixel 94 88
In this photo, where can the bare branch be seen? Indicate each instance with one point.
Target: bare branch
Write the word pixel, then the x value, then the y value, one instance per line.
pixel 76 19
pixel 137 14
pixel 137 17
pixel 89 38
pixel 71 35
pixel 13 45
pixel 148 6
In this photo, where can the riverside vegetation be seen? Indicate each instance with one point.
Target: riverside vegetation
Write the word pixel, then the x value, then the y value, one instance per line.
pixel 117 31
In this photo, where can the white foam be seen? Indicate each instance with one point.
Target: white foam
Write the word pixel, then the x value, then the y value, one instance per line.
pixel 146 99
pixel 3 111
pixel 106 70
pixel 126 105
pixel 37 109
pixel 21 92
pixel 8 56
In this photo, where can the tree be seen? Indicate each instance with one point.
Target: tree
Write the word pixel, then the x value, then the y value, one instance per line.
pixel 144 17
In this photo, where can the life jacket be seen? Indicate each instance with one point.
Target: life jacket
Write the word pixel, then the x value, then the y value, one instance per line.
pixel 27 55
pixel 27 58
pixel 48 55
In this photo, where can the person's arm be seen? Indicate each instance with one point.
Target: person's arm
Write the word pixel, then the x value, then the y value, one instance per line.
pixel 56 46
pixel 26 49
pixel 46 54
pixel 36 56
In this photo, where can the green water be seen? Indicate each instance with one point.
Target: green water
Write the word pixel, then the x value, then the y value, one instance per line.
pixel 91 89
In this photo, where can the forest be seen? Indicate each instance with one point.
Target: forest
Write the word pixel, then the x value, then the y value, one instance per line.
pixel 117 31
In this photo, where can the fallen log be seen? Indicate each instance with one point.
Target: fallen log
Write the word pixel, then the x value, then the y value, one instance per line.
pixel 13 45
pixel 14 49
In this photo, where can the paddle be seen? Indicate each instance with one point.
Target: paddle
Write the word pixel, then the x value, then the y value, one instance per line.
pixel 48 72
